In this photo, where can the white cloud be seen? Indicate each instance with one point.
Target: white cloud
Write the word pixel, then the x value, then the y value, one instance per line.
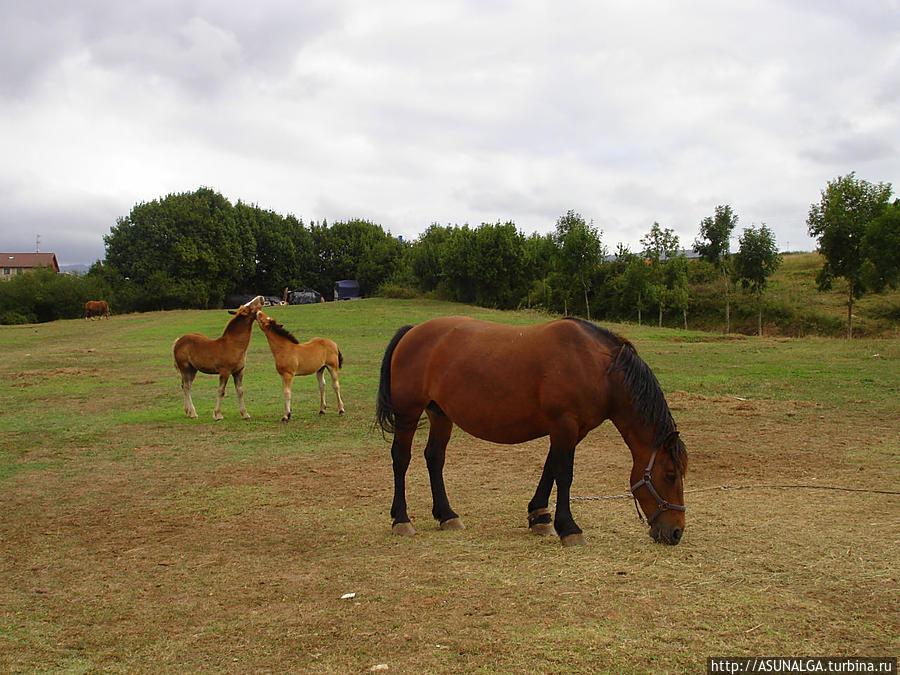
pixel 408 113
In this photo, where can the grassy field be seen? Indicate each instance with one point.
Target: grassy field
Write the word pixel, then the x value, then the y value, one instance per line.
pixel 133 539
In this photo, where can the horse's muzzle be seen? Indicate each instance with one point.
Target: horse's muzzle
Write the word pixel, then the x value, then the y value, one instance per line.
pixel 666 535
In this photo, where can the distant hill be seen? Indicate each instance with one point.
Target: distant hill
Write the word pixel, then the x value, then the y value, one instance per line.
pixel 74 269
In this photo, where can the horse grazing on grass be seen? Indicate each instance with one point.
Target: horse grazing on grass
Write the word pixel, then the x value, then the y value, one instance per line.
pixel 225 356
pixel 293 358
pixel 98 307
pixel 511 384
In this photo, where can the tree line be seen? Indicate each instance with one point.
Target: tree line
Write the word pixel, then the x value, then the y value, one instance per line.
pixel 192 250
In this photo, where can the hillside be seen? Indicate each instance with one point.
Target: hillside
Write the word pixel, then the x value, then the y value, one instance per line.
pixel 792 305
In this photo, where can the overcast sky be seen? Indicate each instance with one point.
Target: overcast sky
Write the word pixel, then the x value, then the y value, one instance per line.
pixel 407 113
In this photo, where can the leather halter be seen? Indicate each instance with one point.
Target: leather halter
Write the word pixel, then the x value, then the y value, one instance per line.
pixel 663 505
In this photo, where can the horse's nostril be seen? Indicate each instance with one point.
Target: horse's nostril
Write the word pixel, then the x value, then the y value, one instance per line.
pixel 676 536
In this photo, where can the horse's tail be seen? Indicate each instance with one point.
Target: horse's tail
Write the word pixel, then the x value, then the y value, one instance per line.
pixel 385 414
pixel 340 359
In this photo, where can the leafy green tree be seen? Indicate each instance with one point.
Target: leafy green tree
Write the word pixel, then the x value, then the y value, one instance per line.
pixel 284 253
pixel 677 288
pixel 634 286
pixel 356 249
pixel 579 252
pixel 185 250
pixel 756 260
pixel 425 256
pixel 659 245
pixel 714 246
pixel 539 254
pixel 839 222
pixel 881 246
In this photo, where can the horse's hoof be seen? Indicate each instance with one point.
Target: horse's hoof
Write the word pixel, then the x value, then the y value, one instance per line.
pixel 403 529
pixel 218 418
pixel 284 420
pixel 246 417
pixel 573 540
pixel 340 412
pixel 543 529
pixel 453 524
pixel 321 412
pixel 540 522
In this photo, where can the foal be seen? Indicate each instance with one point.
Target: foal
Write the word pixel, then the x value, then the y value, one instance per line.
pixel 292 358
pixel 225 356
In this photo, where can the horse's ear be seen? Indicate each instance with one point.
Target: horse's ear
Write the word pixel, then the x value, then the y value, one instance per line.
pixel 671 440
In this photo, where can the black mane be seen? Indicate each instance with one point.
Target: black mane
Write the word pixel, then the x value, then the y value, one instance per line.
pixel 283 332
pixel 644 390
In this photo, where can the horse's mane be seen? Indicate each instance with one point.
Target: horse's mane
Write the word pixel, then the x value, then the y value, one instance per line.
pixel 278 329
pixel 644 390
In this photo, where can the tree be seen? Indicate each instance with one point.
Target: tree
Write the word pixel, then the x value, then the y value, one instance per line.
pixel 881 246
pixel 714 246
pixel 579 251
pixel 677 287
pixel 186 250
pixel 755 261
pixel 659 245
pixel 839 221
pixel 634 285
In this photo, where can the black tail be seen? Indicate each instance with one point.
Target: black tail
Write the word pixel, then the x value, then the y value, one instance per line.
pixel 340 360
pixel 385 415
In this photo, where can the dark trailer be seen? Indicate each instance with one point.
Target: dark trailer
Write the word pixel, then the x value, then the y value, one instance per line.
pixel 347 289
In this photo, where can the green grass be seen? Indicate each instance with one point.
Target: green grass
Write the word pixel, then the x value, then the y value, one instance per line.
pixel 133 539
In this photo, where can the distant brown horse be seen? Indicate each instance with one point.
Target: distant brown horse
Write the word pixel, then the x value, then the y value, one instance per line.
pixel 293 358
pixel 511 384
pixel 224 356
pixel 98 307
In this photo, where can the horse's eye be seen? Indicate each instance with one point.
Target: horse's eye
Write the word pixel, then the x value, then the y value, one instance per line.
pixel 670 478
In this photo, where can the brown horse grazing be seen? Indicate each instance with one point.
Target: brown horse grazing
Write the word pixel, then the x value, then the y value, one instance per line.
pixel 510 384
pixel 292 358
pixel 225 356
pixel 98 307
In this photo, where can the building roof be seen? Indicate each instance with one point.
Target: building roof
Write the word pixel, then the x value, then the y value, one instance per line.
pixel 28 260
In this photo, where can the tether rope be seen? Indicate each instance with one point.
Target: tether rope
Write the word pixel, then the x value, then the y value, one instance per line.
pixel 776 486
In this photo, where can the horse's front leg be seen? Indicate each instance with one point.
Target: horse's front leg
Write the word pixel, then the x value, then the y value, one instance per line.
pixel 540 520
pixel 320 378
pixel 287 379
pixel 435 453
pixel 563 461
pixel 220 394
pixel 401 451
pixel 238 376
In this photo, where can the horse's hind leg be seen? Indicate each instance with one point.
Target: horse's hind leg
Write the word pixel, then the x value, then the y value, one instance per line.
pixel 539 517
pixel 336 385
pixel 435 452
pixel 187 378
pixel 238 376
pixel 320 378
pixel 220 394
pixel 401 451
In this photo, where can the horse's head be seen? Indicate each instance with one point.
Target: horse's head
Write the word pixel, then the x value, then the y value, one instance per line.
pixel 248 309
pixel 264 320
pixel 659 489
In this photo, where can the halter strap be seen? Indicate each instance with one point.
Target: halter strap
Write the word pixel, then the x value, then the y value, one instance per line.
pixel 663 505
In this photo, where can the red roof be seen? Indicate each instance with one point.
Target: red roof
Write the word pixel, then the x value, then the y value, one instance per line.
pixel 29 260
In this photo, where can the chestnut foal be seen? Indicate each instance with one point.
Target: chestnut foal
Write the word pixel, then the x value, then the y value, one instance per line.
pixel 224 356
pixel 293 358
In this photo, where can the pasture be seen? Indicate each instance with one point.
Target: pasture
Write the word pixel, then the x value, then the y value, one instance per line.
pixel 135 539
